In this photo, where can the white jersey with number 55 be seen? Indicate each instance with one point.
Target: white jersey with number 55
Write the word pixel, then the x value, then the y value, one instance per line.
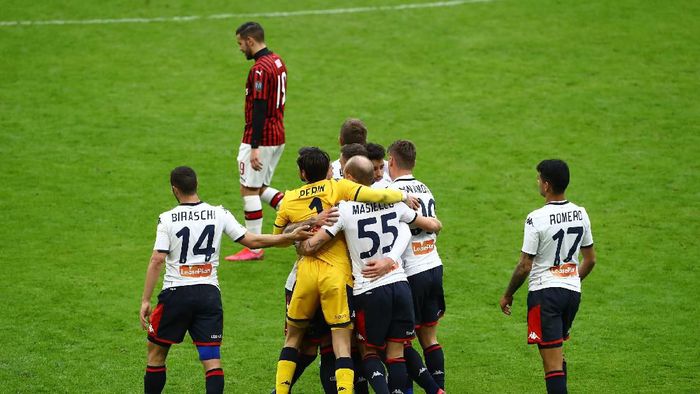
pixel 373 230
pixel 421 254
pixel 191 236
pixel 555 234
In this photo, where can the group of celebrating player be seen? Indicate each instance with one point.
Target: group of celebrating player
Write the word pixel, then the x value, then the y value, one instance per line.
pixel 367 278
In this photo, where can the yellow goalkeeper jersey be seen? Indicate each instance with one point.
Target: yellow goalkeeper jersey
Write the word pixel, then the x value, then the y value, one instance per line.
pixel 309 200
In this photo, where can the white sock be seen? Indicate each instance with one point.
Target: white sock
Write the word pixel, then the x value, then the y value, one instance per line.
pixel 272 196
pixel 252 208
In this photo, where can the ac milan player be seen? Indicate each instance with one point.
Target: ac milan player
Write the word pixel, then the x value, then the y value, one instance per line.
pixel 263 136
pixel 188 242
pixel 554 236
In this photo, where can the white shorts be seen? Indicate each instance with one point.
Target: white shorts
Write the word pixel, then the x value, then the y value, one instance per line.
pixel 269 157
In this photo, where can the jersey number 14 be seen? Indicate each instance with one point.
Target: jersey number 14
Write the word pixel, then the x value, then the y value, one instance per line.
pixel 206 236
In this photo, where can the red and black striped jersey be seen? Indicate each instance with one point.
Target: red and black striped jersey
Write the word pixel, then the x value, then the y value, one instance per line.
pixel 267 80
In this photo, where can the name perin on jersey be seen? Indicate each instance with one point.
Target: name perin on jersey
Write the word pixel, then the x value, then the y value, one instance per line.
pixel 191 236
pixel 555 234
pixel 421 254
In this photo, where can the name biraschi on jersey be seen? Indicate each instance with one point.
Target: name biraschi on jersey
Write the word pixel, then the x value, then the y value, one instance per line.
pixel 206 214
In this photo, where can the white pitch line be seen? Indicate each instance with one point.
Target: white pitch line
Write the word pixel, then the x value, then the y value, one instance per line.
pixel 281 14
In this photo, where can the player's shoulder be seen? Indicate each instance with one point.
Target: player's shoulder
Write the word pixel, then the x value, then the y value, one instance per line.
pixel 345 207
pixel 536 216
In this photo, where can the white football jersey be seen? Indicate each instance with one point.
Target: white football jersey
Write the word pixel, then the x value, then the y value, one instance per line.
pixel 421 254
pixel 337 170
pixel 372 231
pixel 191 236
pixel 555 234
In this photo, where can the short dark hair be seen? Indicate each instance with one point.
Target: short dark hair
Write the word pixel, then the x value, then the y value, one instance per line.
pixel 353 131
pixel 184 179
pixel 352 150
pixel 251 29
pixel 556 172
pixel 375 151
pixel 404 154
pixel 314 162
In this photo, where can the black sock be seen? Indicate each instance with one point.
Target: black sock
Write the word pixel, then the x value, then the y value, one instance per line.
pixel 154 379
pixel 435 361
pixel 215 381
pixel 418 371
pixel 375 374
pixel 556 382
pixel 303 361
pixel 398 375
pixel 327 370
pixel 361 386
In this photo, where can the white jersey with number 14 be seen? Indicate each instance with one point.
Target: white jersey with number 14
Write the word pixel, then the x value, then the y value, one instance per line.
pixel 191 236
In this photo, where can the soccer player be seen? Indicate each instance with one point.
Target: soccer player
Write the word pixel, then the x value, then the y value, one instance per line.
pixel 377 235
pixel 347 152
pixel 376 153
pixel 554 236
pixel 352 131
pixel 423 267
pixel 188 241
pixel 322 279
pixel 263 136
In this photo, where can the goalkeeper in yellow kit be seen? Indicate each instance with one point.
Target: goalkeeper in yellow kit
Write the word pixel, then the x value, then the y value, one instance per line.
pixel 326 278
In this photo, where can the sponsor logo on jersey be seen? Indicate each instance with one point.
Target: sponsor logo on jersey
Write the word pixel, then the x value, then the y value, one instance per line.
pixel 278 63
pixel 258 86
pixel 259 72
pixel 195 271
pixel 424 247
pixel 375 374
pixel 564 270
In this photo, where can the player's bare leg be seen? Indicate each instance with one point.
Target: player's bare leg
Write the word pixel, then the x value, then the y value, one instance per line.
pixel 154 379
pixel 252 210
pixel 288 358
pixel 432 351
pixel 344 373
pixel 554 375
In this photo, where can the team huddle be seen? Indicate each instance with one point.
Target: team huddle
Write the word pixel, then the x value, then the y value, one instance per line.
pixel 366 277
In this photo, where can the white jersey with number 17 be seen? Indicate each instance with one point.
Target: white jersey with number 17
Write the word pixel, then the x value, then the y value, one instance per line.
pixel 191 236
pixel 555 234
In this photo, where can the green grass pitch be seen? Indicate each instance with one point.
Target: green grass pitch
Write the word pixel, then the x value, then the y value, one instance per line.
pixel 93 117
